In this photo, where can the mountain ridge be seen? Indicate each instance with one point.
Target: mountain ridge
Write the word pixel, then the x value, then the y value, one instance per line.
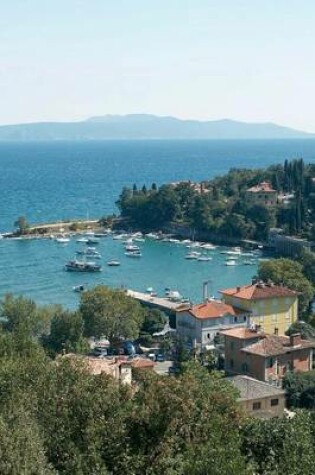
pixel 147 126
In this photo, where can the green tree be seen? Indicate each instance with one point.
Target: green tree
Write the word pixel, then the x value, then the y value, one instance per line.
pixel 154 321
pixel 66 333
pixel 23 316
pixel 280 446
pixel 289 273
pixel 22 225
pixel 110 313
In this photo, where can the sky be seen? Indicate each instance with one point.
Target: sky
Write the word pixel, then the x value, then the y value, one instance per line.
pixel 249 60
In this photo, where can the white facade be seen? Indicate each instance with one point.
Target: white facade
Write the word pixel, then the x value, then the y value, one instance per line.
pixel 203 330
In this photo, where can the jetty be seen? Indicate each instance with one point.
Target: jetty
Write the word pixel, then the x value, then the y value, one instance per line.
pixel 166 305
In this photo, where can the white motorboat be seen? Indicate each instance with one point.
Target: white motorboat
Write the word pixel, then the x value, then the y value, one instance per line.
pixel 132 248
pixel 204 258
pixel 82 239
pixel 113 263
pixel 139 239
pixel 62 239
pixel 230 263
pixel 133 254
pixel 208 247
pixel 193 255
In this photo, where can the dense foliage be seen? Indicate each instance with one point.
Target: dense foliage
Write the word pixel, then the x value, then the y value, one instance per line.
pixel 219 206
pixel 56 418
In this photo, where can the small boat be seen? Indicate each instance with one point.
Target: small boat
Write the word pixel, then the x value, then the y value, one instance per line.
pixel 230 263
pixel 154 236
pixel 90 251
pixel 118 237
pixel 62 239
pixel 100 235
pixel 82 266
pixel 192 255
pixel 174 241
pixel 82 239
pixel 208 247
pixel 204 258
pixel 78 288
pixel 139 239
pixel 249 262
pixel 113 263
pixel 132 248
pixel 133 253
pixel 92 240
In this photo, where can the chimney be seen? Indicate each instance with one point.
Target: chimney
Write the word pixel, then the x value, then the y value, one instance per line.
pixel 295 339
pixel 205 291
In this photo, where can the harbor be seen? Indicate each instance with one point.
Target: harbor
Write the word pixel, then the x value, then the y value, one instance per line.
pixel 36 267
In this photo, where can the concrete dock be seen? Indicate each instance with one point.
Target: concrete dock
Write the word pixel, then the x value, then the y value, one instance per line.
pixel 166 305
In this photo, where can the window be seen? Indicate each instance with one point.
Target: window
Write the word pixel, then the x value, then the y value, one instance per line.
pixel 231 363
pixel 276 331
pixel 274 402
pixel 256 406
pixel 235 319
pixel 270 362
pixel 244 318
pixel 232 345
pixel 208 336
pixel 245 368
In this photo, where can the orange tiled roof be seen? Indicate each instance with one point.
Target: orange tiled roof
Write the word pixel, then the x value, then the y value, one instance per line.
pixel 142 363
pixel 272 345
pixel 259 291
pixel 212 309
pixel 242 333
pixel 264 187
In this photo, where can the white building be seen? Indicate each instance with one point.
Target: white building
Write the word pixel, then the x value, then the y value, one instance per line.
pixel 200 323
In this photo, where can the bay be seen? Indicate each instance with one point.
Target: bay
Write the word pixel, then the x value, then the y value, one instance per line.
pixel 50 181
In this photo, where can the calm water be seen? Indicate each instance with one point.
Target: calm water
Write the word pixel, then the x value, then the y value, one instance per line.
pixel 64 180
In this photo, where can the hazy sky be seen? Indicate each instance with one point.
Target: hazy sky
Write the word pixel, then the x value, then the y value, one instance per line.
pixel 252 60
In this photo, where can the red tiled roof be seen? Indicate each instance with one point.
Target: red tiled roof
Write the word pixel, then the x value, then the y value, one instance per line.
pixel 272 345
pixel 259 291
pixel 212 309
pixel 242 333
pixel 264 186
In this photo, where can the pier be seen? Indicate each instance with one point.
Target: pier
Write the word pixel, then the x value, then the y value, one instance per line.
pixel 164 304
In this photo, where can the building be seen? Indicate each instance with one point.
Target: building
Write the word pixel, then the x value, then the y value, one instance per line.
pixel 199 324
pixel 287 245
pixel 265 357
pixel 262 194
pixel 273 308
pixel 119 368
pixel 257 398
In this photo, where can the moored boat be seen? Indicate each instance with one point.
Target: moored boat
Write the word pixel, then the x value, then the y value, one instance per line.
pixel 113 263
pixel 82 266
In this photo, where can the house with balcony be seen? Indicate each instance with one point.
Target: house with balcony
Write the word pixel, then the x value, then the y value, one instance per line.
pixel 199 324
pixel 262 194
pixel 251 352
pixel 272 308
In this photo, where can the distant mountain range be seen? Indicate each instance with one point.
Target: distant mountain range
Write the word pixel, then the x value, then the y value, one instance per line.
pixel 146 126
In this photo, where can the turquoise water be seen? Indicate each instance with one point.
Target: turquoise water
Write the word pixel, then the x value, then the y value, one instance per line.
pixel 36 268
pixel 64 180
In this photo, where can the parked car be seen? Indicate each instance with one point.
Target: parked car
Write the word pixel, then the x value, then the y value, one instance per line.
pixel 160 358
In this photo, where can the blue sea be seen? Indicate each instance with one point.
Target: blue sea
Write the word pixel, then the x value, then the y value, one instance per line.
pixel 51 181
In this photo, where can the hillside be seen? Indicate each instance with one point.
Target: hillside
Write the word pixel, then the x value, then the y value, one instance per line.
pixel 144 126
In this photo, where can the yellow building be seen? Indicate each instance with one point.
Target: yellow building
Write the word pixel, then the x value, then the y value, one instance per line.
pixel 273 308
